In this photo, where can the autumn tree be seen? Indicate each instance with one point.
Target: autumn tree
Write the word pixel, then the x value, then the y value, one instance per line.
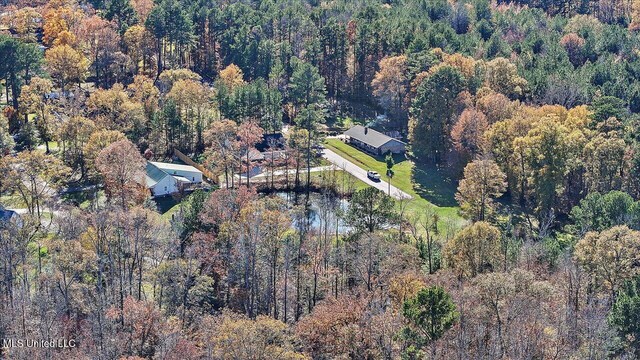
pixel 495 106
pixel 71 263
pixel 97 141
pixel 610 256
pixel 465 64
pixel 74 134
pixel 573 44
pixel 123 169
pixel 390 84
pixel 24 22
pixel 606 163
pixel 483 182
pixel 474 250
pixel 231 335
pixel 66 65
pixel 142 8
pixel 222 139
pixel 508 301
pixel 100 41
pixel 168 77
pixel 139 46
pixel 33 99
pixel 549 150
pixel 143 91
pixel 112 109
pixel 502 77
pixel 193 101
pixel 58 20
pixel 231 77
pixel 468 132
pixel 139 326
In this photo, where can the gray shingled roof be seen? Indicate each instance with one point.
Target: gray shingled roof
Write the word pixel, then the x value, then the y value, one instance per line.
pixel 369 136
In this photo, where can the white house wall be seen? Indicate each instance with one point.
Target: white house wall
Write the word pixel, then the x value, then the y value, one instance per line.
pixel 168 185
pixel 193 176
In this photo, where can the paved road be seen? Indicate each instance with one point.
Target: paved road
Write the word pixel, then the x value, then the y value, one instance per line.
pixel 361 174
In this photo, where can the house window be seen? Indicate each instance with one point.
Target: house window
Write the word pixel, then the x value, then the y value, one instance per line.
pixel 165 188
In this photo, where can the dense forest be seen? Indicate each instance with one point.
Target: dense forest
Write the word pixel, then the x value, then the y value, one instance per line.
pixel 514 234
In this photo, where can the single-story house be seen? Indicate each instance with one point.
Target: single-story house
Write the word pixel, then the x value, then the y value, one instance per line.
pixel 373 141
pixel 166 178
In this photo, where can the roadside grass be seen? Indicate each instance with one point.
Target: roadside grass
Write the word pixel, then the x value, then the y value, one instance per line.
pixel 426 184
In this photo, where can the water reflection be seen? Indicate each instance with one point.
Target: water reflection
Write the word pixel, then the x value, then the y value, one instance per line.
pixel 326 212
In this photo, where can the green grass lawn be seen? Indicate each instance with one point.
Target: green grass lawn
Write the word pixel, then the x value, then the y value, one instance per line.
pixel 427 184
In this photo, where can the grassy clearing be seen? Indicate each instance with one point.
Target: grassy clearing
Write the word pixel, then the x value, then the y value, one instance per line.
pixel 426 184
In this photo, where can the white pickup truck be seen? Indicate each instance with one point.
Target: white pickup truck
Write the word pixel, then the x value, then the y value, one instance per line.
pixel 373 175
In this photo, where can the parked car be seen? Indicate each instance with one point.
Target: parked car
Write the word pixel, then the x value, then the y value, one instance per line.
pixel 373 175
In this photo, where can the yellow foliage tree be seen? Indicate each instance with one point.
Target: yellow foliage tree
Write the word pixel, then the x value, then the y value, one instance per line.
pixel 502 76
pixel 234 336
pixel 113 110
pixel 57 20
pixel 482 183
pixel 232 77
pixel 611 256
pixel 66 65
pixel 474 250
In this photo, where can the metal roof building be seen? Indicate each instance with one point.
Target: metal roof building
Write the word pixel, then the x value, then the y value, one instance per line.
pixel 166 178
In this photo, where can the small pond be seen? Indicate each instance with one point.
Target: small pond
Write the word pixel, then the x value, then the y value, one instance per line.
pixel 322 212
